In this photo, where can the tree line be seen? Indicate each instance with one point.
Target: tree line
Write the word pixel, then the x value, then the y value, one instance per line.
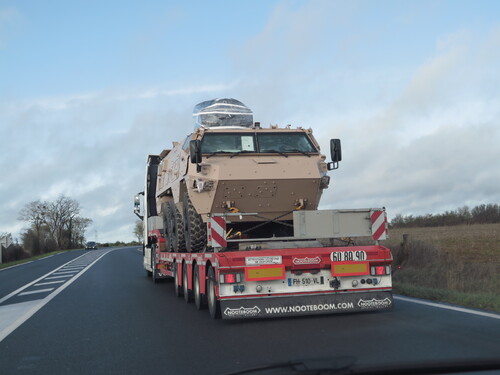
pixel 481 214
pixel 55 225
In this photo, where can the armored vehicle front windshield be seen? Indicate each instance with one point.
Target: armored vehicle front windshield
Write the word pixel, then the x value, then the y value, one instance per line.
pixel 291 142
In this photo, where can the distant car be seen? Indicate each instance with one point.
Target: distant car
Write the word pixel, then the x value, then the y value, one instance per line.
pixel 91 245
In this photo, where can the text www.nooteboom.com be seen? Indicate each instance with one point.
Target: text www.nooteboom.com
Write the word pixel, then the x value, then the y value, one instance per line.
pixel 309 308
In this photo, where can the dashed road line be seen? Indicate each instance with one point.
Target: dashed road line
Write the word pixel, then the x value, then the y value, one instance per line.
pixel 57 277
pixel 50 282
pixel 36 291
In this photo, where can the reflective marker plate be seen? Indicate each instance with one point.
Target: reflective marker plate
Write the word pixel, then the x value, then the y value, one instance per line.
pixel 350 269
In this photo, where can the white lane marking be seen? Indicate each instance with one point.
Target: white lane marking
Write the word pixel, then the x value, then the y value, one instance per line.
pixel 36 291
pixel 17 265
pixel 31 308
pixel 447 307
pixel 65 273
pixel 51 282
pixel 11 313
pixel 34 282
pixel 57 277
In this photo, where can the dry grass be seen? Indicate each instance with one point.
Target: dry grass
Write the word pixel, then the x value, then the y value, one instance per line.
pixel 463 260
pixel 478 242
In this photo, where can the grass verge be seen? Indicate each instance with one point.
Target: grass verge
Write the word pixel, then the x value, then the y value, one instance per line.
pixel 16 262
pixel 485 301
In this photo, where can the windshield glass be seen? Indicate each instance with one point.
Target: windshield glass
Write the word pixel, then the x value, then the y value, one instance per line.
pixel 284 142
pixel 227 143
pixel 264 143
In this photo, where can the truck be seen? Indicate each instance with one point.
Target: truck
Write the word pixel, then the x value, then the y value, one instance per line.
pixel 231 214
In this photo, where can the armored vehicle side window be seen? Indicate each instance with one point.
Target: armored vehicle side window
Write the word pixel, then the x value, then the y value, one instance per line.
pixel 186 142
pixel 227 143
pixel 284 142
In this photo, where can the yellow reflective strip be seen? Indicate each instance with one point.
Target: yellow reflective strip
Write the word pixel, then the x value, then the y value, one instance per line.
pixel 350 268
pixel 255 273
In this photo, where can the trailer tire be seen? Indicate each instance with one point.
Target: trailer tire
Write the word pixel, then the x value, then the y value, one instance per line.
pixel 148 273
pixel 177 288
pixel 213 304
pixel 195 231
pixel 154 275
pixel 185 286
pixel 199 299
pixel 173 227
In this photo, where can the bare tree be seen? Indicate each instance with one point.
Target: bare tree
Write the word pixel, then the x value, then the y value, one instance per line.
pixel 57 223
pixel 80 224
pixel 139 230
pixel 35 213
pixel 59 219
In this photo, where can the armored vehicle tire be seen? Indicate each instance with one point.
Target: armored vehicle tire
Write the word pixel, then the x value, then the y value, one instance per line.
pixel 185 290
pixel 174 228
pixel 195 231
pixel 199 299
pixel 213 304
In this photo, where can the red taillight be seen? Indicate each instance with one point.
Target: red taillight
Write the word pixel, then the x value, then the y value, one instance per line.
pixel 379 270
pixel 230 278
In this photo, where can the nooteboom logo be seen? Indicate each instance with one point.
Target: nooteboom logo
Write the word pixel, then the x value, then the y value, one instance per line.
pixel 374 303
pixel 307 260
pixel 242 311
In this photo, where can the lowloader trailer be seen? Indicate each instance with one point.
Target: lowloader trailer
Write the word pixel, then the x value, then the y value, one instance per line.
pixel 231 214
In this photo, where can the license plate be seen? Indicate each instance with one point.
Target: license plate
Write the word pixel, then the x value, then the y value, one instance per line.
pixel 306 280
pixel 348 256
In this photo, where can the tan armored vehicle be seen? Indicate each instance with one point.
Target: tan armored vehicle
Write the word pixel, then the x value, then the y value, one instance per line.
pixel 229 164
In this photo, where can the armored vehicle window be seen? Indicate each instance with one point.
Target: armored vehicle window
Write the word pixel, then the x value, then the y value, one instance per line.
pixel 186 142
pixel 284 142
pixel 227 143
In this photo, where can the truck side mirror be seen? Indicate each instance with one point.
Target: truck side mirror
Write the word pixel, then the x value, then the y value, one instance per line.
pixel 137 205
pixel 336 154
pixel 195 151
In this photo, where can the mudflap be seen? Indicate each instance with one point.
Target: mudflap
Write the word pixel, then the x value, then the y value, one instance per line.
pixel 271 307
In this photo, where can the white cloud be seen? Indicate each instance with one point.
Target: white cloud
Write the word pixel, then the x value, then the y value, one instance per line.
pixel 10 24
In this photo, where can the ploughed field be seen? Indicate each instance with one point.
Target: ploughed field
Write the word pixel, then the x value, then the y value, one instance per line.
pixel 457 264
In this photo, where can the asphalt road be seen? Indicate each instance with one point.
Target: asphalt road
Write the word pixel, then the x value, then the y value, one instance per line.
pixel 107 317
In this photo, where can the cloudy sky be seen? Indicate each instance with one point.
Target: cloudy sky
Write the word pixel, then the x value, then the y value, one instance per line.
pixel 89 88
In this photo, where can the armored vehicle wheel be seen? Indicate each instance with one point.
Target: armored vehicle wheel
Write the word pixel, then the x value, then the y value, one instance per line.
pixel 195 231
pixel 174 229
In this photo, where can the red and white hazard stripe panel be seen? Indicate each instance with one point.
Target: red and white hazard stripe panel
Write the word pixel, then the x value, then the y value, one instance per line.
pixel 379 225
pixel 216 232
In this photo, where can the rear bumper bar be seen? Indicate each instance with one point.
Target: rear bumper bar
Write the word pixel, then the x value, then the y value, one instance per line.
pixel 306 305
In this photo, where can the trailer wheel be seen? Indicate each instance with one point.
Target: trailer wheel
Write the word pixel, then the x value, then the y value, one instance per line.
pixel 195 231
pixel 199 299
pixel 174 227
pixel 153 265
pixel 148 273
pixel 177 288
pixel 213 304
pixel 187 293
